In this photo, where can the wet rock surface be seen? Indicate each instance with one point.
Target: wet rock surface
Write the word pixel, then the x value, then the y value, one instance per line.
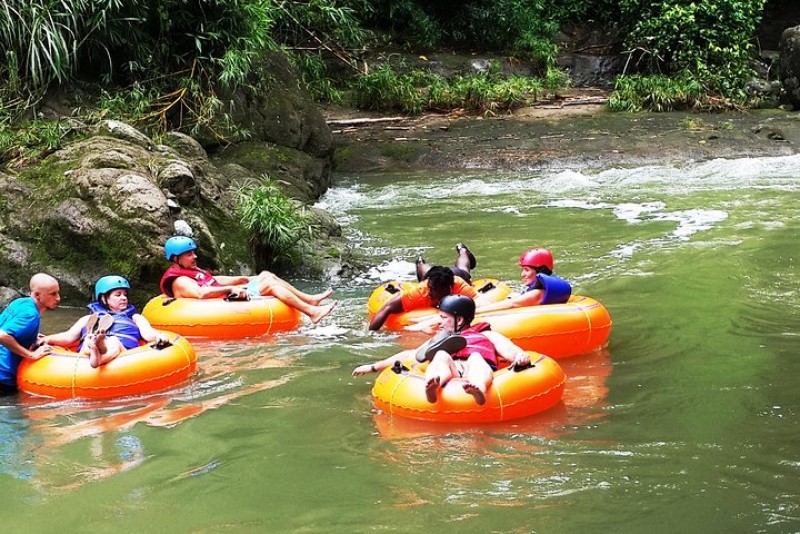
pixel 570 132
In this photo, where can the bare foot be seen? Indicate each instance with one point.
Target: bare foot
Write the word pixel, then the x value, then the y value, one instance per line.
pixel 322 312
pixel 319 297
pixel 476 392
pixel 94 355
pixel 432 389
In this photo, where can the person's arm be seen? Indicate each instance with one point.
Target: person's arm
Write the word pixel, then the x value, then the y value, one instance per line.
pixel 382 364
pixel 8 341
pixel 232 280
pixel 429 325
pixel 185 287
pixel 146 330
pixel 67 338
pixel 507 348
pixel 393 305
pixel 531 298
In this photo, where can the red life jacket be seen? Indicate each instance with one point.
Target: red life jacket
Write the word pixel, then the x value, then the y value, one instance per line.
pixel 203 278
pixel 477 342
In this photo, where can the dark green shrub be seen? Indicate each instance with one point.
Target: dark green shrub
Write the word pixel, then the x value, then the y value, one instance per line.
pixel 711 40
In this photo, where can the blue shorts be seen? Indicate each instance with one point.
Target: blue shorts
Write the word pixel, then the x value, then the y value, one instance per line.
pixel 252 288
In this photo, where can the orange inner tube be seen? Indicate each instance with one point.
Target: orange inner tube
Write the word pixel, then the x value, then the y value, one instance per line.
pixel 65 374
pixel 221 319
pixel 512 394
pixel 579 326
pixel 494 290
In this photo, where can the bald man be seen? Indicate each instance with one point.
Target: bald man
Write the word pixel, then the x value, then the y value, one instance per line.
pixel 19 328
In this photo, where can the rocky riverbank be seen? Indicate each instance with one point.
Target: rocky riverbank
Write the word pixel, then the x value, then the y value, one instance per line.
pixel 574 130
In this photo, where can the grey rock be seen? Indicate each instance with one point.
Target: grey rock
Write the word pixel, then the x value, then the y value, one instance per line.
pixel 790 64
pixel 126 132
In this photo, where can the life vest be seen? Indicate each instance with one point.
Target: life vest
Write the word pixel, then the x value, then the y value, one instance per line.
pixel 477 342
pixel 556 289
pixel 203 278
pixel 123 327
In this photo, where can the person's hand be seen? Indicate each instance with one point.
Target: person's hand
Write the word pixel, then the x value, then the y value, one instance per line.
pixel 522 359
pixel 364 369
pixel 238 293
pixel 41 352
pixel 428 325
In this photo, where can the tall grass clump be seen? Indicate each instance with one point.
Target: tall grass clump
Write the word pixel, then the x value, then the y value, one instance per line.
pixel 658 93
pixel 279 228
pixel 417 91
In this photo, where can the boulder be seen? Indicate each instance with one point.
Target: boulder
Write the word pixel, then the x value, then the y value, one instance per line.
pixel 790 64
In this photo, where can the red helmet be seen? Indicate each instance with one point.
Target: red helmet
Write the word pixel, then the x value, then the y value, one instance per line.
pixel 536 257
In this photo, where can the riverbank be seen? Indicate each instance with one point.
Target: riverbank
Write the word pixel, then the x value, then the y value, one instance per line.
pixel 575 130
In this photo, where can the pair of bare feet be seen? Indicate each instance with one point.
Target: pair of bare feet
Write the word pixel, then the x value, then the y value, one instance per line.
pixel 320 312
pixel 432 391
pixel 95 342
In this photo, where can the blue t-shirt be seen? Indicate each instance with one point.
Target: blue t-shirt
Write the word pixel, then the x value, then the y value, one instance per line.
pixel 21 321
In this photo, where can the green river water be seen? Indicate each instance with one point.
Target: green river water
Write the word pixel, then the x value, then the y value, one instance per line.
pixel 689 421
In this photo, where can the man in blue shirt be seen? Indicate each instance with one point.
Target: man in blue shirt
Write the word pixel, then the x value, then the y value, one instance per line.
pixel 19 328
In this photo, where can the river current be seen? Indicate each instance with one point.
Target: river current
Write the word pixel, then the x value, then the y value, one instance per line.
pixel 687 422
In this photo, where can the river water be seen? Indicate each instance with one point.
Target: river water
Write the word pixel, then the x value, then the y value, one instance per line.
pixel 687 422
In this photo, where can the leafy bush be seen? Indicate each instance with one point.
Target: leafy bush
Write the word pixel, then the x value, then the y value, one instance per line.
pixel 657 93
pixel 417 90
pixel 712 40
pixel 181 48
pixel 385 89
pixel 277 225
pixel 521 27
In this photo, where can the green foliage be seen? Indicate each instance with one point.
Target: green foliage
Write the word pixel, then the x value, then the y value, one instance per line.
pixel 182 49
pixel 709 39
pixel 21 143
pixel 319 24
pixel 417 90
pixel 385 89
pixel 315 77
pixel 278 227
pixel 522 27
pixel 604 12
pixel 657 93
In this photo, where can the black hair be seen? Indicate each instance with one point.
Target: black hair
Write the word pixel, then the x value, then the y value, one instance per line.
pixel 543 269
pixel 440 279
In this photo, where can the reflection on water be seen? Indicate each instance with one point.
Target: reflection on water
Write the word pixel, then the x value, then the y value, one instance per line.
pixel 59 423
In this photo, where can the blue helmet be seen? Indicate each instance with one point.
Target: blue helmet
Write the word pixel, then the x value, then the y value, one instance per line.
pixel 175 246
pixel 109 283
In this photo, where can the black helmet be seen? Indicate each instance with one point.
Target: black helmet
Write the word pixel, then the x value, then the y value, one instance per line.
pixel 460 306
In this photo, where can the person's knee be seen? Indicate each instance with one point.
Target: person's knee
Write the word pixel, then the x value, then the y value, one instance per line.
pixel 267 276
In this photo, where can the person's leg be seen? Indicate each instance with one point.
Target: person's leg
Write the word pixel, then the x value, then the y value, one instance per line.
pixel 274 286
pixel 268 281
pixel 464 258
pixel 441 369
pixel 478 376
pixel 101 349
pixel 422 268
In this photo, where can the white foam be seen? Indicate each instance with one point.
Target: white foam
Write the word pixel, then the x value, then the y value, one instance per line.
pixel 778 173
